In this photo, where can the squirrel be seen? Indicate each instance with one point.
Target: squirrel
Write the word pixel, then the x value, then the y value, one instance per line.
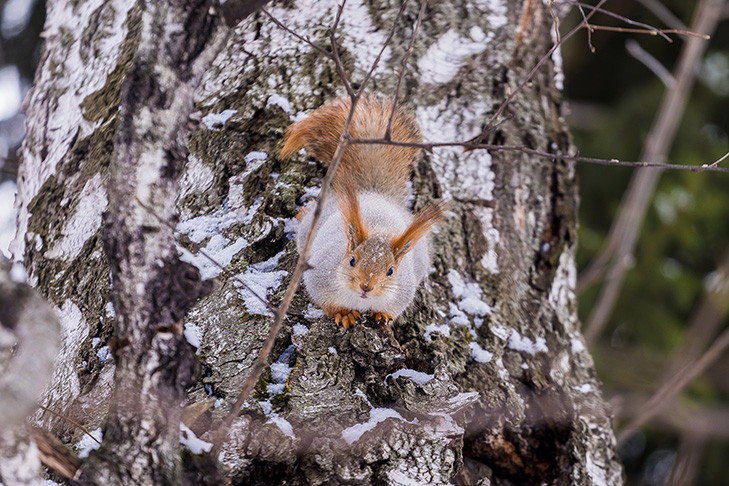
pixel 369 253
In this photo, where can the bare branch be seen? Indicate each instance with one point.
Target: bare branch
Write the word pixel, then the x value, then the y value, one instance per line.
pixel 470 145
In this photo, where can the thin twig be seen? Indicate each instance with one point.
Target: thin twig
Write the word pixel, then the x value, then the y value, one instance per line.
pixel 661 32
pixel 313 44
pixel 588 27
pixel 555 20
pixel 470 145
pixel 401 75
pixel 717 162
pixel 76 424
pixel 625 19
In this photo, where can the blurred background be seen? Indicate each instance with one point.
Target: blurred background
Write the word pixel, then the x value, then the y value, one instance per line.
pixel 654 289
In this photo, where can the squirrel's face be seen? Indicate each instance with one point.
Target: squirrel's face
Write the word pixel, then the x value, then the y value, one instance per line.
pixel 370 267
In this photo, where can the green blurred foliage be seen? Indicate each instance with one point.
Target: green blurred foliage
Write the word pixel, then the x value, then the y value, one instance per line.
pixel 613 99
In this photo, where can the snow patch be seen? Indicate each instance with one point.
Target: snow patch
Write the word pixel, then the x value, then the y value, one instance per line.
pixel 417 376
pixel 354 433
pixel 216 121
pixel 261 278
pixel 190 440
pixel 280 101
pixel 104 354
pixel 87 444
pixel 193 334
pixel 479 354
pixel 577 345
pixel 300 329
pixel 444 329
pixel 469 293
pixel 520 343
pixel 312 312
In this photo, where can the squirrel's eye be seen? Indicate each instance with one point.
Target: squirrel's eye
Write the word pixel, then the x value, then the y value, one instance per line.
pixel 389 271
pixel 351 262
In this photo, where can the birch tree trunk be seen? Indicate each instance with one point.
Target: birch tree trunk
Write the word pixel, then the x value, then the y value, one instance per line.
pixel 484 380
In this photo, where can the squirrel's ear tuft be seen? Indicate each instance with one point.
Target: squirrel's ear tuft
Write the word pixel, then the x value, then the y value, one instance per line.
pixel 421 224
pixel 349 205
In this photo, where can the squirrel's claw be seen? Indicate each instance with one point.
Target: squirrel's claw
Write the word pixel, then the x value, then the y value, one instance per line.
pixel 382 318
pixel 346 317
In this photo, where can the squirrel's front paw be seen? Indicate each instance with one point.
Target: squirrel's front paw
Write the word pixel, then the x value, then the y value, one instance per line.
pixel 342 316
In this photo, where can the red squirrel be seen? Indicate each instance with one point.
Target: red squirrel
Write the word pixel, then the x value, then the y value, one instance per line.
pixel 369 253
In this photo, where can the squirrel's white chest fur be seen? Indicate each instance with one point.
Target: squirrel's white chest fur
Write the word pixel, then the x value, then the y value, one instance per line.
pixel 326 282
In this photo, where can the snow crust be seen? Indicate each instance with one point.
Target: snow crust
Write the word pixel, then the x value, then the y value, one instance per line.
pixel 193 334
pixel 218 247
pixel 280 371
pixel 470 294
pixel 279 100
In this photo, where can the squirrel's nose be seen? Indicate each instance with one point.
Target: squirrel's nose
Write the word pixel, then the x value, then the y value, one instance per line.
pixel 365 287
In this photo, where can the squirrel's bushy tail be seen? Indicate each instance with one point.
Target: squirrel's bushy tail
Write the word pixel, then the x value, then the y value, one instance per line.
pixel 369 167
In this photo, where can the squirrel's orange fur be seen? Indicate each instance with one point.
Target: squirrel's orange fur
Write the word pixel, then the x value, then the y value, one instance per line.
pixel 378 168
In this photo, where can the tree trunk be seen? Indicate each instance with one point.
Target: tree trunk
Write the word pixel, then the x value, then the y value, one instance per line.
pixel 485 377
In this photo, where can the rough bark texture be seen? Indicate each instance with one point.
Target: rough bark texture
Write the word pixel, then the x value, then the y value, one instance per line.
pixel 505 391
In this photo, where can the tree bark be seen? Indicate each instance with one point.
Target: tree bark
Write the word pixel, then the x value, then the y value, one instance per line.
pixel 484 380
